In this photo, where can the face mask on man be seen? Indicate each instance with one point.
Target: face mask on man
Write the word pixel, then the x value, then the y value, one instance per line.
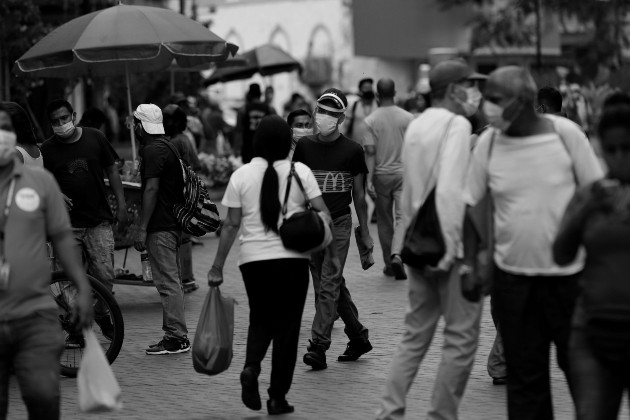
pixel 8 140
pixel 298 133
pixel 494 114
pixel 368 95
pixel 65 130
pixel 473 99
pixel 326 124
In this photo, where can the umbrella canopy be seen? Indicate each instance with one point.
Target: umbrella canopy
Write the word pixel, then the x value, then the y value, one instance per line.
pixel 123 38
pixel 266 60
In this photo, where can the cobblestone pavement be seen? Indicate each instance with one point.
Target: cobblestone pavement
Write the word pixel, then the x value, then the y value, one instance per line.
pixel 167 387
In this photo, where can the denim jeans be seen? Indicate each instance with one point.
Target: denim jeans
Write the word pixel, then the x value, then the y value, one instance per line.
pixel 32 346
pixel 163 248
pixel 276 290
pixel 432 296
pixel 97 246
pixel 532 312
pixel 599 386
pixel 388 195
pixel 332 297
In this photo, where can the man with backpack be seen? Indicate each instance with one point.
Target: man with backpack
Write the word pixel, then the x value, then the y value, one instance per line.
pixel 530 164
pixel 158 230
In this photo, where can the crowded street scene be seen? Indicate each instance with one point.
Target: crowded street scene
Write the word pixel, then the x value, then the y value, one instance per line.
pixel 336 209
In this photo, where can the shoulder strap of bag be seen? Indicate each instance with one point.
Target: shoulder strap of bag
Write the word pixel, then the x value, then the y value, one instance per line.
pixel 441 150
pixel 293 173
pixel 170 146
pixel 352 117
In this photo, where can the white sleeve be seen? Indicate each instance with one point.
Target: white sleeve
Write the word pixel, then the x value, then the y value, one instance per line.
pixel 369 138
pixel 308 180
pixel 477 175
pixel 585 164
pixel 232 196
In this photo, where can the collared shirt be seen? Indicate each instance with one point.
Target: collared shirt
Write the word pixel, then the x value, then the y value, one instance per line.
pixel 37 212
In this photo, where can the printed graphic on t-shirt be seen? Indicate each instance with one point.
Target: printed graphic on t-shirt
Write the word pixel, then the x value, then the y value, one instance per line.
pixel 77 166
pixel 334 181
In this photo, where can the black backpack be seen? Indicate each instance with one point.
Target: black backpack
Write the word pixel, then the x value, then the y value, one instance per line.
pixel 197 215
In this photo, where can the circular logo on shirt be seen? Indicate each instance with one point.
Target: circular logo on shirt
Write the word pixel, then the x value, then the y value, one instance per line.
pixel 27 199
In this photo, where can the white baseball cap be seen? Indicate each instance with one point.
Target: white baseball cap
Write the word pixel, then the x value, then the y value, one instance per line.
pixel 151 117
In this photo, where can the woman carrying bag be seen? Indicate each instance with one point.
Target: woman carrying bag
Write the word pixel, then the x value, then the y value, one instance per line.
pixel 276 278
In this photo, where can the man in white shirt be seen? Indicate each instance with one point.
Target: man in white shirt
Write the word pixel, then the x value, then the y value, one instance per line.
pixel 383 144
pixel 435 154
pixel 530 163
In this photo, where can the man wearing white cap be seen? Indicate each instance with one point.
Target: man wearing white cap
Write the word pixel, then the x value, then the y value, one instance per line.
pixel 158 231
pixel 338 164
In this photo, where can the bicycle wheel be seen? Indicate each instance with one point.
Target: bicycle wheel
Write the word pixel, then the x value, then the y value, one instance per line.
pixel 108 326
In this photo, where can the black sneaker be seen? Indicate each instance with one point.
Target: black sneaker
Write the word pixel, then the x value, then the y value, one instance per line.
pixel 398 268
pixel 276 406
pixel 354 350
pixel 75 341
pixel 316 356
pixel 105 324
pixel 250 394
pixel 169 347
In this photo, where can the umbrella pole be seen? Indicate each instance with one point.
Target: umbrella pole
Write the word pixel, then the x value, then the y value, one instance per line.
pixel 133 134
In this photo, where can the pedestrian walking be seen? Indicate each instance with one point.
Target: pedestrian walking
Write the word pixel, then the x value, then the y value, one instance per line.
pixel 157 231
pixel 247 121
pixel 359 111
pixel 384 136
pixel 31 340
pixel 301 123
pixel 78 157
pixel 530 164
pixel 175 123
pixel 598 219
pixel 276 278
pixel 29 152
pixel 435 157
pixel 338 164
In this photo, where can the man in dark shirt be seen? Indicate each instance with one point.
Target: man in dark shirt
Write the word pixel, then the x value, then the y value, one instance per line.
pixel 247 122
pixel 157 230
pixel 338 164
pixel 78 157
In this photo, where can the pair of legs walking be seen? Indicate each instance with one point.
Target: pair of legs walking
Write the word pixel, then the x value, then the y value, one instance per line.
pixel 332 297
pixel 431 296
pixel 276 290
pixel 388 219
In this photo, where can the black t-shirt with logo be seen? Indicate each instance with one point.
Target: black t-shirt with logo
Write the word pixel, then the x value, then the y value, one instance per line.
pixel 334 165
pixel 79 170
pixel 159 161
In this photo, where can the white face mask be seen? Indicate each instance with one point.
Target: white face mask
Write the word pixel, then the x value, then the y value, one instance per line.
pixel 298 133
pixel 494 115
pixel 326 124
pixel 66 130
pixel 8 140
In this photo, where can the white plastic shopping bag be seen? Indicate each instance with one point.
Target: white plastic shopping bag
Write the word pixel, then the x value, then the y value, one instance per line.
pixel 98 388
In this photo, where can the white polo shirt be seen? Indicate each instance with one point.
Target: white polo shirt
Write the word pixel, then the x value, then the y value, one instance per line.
pixel 243 191
pixel 531 180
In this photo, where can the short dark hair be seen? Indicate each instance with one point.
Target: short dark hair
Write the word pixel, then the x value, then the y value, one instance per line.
pixel 56 104
pixel 616 116
pixel 294 114
pixel 174 119
pixel 365 80
pixel 93 117
pixel 21 123
pixel 550 97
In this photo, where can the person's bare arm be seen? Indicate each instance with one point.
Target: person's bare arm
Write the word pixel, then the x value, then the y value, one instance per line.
pixel 70 260
pixel 370 161
pixel 360 205
pixel 149 200
pixel 231 225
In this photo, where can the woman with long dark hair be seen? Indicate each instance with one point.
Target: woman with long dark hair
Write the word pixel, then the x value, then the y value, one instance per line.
pixel 598 219
pixel 28 151
pixel 276 278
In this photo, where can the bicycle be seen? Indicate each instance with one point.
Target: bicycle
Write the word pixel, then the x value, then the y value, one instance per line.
pixel 64 292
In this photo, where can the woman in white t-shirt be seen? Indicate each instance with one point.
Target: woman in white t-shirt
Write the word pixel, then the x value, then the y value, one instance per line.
pixel 276 279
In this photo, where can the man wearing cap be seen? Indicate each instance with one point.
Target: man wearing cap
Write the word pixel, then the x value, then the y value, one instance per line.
pixel 338 164
pixel 247 122
pixel 157 230
pixel 78 157
pixel 435 154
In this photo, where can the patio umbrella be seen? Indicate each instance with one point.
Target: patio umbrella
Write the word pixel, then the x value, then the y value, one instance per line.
pixel 122 40
pixel 266 60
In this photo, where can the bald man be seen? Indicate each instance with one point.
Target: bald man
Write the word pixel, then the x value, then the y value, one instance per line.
pixel 385 133
pixel 531 164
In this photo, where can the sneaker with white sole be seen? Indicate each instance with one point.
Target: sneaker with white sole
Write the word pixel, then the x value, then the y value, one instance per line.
pixel 168 347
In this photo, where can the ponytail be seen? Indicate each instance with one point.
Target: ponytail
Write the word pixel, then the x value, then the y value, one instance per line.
pixel 269 201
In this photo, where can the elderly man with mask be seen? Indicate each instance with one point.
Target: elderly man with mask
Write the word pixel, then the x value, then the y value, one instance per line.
pixel 31 340
pixel 530 164
pixel 338 164
pixel 435 155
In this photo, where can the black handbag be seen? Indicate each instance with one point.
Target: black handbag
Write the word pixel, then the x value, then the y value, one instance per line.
pixel 424 243
pixel 304 231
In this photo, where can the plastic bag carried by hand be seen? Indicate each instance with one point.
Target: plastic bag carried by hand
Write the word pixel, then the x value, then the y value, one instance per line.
pixel 212 346
pixel 98 388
